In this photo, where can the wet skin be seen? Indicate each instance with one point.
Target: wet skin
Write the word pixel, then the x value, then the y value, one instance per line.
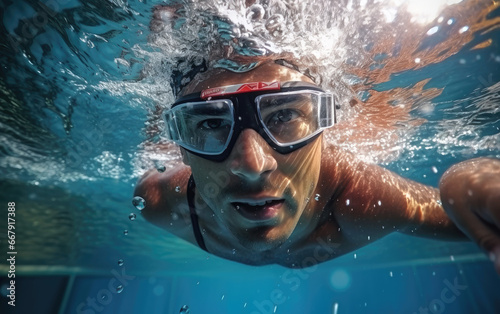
pixel 320 201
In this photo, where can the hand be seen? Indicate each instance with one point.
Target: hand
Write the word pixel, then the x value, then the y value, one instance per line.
pixel 470 193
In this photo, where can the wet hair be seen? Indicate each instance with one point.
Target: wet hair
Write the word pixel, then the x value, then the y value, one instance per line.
pixel 197 41
pixel 180 79
pixel 294 66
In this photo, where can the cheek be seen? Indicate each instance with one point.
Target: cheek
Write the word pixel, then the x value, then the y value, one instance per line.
pixel 210 177
pixel 303 164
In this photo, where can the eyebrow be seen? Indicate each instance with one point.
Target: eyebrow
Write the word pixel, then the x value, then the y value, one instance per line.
pixel 207 111
pixel 296 98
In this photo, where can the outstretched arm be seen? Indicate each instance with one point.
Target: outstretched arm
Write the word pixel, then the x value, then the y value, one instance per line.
pixel 470 192
pixel 374 202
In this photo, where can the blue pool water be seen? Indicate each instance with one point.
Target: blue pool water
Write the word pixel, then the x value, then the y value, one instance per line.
pixel 79 92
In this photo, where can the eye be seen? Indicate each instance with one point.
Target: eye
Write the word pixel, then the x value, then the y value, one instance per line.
pixel 213 124
pixel 284 115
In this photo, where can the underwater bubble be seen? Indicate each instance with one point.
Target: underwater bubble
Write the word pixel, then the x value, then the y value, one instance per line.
pixel 139 202
pixel 340 280
pixel 274 22
pixel 316 198
pixel 120 262
pixel 417 60
pixel 355 256
pixel 125 232
pixel 132 216
pixel 335 308
pixel 379 203
pixel 234 251
pixel 368 238
pixel 436 308
pixel 433 30
pixel 158 290
pixel 177 189
pixel 463 29
pixel 255 12
pixel 235 32
pixel 434 169
pixel 426 108
pixel 161 168
pixel 119 289
pixel 184 309
pixel 347 202
pixel 452 258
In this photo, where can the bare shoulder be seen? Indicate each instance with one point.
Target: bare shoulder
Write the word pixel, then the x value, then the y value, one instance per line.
pixel 165 197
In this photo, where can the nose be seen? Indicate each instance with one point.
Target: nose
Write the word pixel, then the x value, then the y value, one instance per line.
pixel 251 157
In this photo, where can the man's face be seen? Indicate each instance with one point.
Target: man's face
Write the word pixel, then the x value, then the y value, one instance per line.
pixel 257 194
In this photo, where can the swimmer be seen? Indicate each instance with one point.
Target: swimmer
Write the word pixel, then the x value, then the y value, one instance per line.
pixel 259 185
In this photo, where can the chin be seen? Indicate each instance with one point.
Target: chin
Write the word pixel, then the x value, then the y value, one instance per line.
pixel 262 239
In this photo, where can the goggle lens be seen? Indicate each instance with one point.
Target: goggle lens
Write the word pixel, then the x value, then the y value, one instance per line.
pixel 202 126
pixel 289 117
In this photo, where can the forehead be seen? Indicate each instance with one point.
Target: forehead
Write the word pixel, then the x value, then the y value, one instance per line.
pixel 267 72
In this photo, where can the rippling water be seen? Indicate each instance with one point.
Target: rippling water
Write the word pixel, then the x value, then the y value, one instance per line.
pixel 82 84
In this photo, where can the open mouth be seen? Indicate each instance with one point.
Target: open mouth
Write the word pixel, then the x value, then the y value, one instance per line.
pixel 259 210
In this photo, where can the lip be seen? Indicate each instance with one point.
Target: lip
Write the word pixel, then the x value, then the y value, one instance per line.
pixel 258 209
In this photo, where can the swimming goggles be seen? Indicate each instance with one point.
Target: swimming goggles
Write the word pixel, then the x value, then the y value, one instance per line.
pixel 287 115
